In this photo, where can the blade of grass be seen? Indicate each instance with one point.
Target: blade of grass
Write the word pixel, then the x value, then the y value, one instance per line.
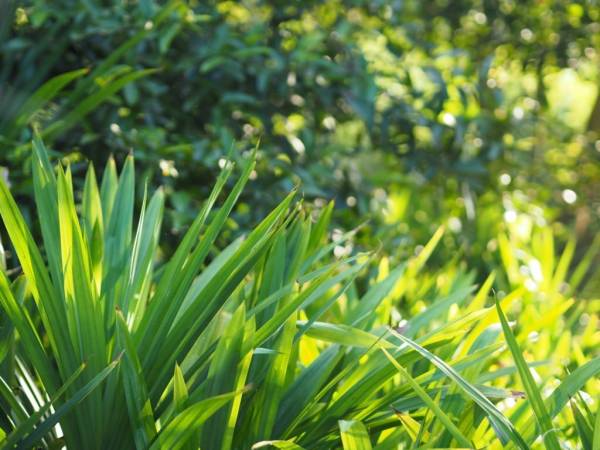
pixel 354 435
pixel 153 327
pixel 596 438
pixel 559 398
pixel 242 375
pixel 51 307
pixel 140 266
pixel 30 339
pixel 343 335
pixel 270 394
pixel 84 107
pixel 222 375
pixel 533 394
pixel 176 433
pixel 44 94
pixel 66 407
pixel 582 427
pixel 136 396
pixel 501 424
pixel 117 242
pixel 92 224
pixel 284 445
pixel 431 404
pixel 27 426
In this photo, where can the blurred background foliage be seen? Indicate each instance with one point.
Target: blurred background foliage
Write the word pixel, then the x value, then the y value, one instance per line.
pixel 482 116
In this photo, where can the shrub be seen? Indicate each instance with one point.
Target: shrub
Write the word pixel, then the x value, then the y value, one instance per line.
pixel 356 99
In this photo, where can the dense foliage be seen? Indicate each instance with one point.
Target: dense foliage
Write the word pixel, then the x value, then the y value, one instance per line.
pixel 443 164
pixel 370 103
pixel 269 342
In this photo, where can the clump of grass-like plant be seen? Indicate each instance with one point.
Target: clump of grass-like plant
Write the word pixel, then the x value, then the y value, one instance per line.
pixel 265 343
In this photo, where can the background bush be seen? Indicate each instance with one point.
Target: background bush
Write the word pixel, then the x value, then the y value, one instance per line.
pixel 442 110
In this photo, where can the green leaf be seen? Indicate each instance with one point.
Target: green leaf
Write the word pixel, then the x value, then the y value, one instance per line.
pixel 431 404
pixel 92 224
pixel 582 426
pixel 144 248
pixel 222 375
pixel 66 407
pixel 534 396
pixel 563 393
pixel 30 339
pixel 117 240
pixel 134 384
pixel 354 435
pixel 44 94
pixel 269 396
pixel 108 189
pixel 285 445
pixel 242 375
pixel 91 102
pixel 596 438
pixel 502 425
pixel 177 432
pixel 162 310
pixel 51 306
pixel 28 425
pixel 180 390
pixel 343 335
